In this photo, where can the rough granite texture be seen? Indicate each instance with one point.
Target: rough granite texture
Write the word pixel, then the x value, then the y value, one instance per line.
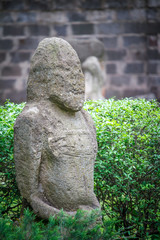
pixel 55 139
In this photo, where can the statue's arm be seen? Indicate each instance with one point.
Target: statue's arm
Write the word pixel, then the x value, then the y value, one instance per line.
pixel 27 153
pixel 91 127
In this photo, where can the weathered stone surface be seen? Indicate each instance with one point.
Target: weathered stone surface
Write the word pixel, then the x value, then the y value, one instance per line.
pixel 94 78
pixel 55 140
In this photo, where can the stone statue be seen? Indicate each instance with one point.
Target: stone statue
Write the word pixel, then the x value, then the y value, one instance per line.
pixel 94 78
pixel 55 139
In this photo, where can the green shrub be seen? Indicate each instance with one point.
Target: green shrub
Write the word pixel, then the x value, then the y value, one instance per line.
pixel 127 169
pixel 84 226
pixel 127 174
pixel 10 200
pixel 80 227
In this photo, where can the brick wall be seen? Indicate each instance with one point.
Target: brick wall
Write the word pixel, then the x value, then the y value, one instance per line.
pixel 129 30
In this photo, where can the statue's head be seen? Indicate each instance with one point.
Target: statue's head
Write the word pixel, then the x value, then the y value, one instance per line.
pixel 56 75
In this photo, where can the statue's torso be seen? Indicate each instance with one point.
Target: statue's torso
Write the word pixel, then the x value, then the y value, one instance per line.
pixel 67 164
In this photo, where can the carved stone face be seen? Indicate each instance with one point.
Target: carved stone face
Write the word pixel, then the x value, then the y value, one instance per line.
pixel 56 75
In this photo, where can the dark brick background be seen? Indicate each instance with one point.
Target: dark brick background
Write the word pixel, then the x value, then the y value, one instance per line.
pixel 129 30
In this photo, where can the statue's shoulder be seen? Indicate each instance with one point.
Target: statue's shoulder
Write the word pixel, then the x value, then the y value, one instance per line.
pixel 30 113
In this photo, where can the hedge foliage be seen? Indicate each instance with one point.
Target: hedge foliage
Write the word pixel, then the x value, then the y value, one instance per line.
pixel 84 226
pixel 10 200
pixel 127 173
pixel 81 227
pixel 127 169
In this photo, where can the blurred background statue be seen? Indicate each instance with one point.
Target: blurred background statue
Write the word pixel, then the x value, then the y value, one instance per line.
pixel 94 78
